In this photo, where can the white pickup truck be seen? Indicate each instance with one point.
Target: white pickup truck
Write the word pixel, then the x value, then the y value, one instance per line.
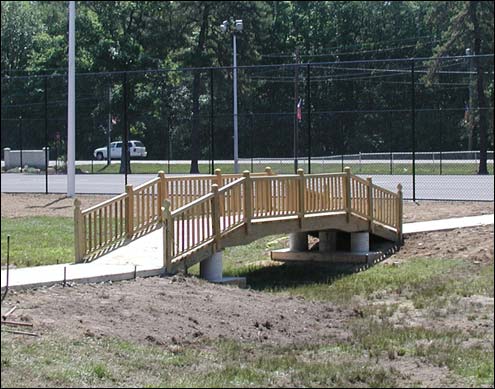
pixel 136 149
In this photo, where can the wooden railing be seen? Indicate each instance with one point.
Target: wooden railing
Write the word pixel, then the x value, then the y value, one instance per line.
pixel 100 226
pixel 324 193
pixel 202 221
pixel 138 210
pixel 199 210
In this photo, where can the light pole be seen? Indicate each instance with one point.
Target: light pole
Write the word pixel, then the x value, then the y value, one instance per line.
pixel 224 27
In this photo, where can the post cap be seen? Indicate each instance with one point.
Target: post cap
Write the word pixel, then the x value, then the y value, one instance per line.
pixel 77 202
pixel 300 171
pixel 347 169
pixel 246 173
pixel 218 171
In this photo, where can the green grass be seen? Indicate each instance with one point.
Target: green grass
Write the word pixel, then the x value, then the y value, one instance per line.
pixel 288 168
pixel 60 362
pixel 35 241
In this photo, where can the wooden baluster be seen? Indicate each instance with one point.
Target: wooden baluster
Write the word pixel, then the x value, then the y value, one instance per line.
pixel 100 238
pixel 129 211
pixel 347 192
pixel 248 210
pixel 369 190
pixel 302 190
pixel 105 225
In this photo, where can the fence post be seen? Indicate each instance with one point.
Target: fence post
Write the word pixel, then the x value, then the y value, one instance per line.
pixel 302 192
pixel 248 209
pixel 78 236
pixel 370 202
pixel 268 172
pixel 399 212
pixel 168 234
pixel 129 211
pixel 347 192
pixel 215 215
pixel 161 192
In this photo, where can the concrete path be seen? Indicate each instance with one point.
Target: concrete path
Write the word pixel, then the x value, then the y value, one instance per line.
pixel 144 258
pixel 447 224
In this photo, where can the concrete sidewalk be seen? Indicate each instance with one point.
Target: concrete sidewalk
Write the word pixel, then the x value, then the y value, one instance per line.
pixel 143 258
pixel 447 224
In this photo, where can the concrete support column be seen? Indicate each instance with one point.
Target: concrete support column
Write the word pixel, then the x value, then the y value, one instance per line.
pixel 328 241
pixel 360 242
pixel 211 269
pixel 298 241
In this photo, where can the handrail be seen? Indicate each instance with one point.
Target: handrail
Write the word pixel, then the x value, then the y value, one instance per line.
pixel 230 185
pixel 103 204
pixel 192 204
pixel 147 184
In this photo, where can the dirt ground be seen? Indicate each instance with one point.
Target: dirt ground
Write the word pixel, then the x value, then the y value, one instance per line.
pixel 185 310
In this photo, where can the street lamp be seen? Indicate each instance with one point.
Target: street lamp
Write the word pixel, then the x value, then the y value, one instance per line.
pixel 237 27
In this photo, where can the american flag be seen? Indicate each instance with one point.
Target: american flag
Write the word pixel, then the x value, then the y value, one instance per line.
pixel 299 110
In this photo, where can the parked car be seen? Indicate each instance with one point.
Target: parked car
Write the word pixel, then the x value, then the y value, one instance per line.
pixel 136 149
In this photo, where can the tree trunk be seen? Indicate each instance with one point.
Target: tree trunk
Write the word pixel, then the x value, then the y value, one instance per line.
pixel 196 87
pixel 482 122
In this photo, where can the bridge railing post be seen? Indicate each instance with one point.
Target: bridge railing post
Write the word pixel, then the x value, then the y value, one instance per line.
pixel 79 236
pixel 215 216
pixel 162 195
pixel 399 208
pixel 168 234
pixel 369 190
pixel 347 192
pixel 129 211
pixel 248 205
pixel 218 177
pixel 302 193
pixel 269 206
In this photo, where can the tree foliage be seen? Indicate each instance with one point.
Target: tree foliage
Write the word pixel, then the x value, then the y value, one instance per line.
pixel 174 106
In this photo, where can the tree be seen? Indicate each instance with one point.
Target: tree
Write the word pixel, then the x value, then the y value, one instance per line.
pixel 467 24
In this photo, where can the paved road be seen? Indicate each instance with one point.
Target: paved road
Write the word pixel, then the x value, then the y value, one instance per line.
pixel 427 186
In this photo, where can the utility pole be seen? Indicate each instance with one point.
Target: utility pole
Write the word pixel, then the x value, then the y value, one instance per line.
pixel 296 93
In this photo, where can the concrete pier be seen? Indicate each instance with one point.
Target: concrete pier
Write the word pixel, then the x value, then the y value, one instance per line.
pixel 298 241
pixel 360 242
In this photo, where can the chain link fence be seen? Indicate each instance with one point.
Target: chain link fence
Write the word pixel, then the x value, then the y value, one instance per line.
pixel 393 120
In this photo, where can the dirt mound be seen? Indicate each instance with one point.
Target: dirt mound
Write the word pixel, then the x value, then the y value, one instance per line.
pixel 180 310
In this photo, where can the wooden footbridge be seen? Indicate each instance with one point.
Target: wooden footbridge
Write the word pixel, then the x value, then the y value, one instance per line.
pixel 203 214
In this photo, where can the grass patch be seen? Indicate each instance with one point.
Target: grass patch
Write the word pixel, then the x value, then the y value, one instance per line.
pixel 421 280
pixel 40 240
pixel 288 168
pixel 439 347
pixel 97 363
